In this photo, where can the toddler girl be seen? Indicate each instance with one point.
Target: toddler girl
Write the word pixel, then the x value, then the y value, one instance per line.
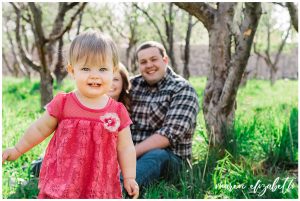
pixel 92 136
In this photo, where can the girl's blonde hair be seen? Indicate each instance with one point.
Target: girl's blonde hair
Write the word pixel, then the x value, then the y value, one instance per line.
pixel 93 47
pixel 124 95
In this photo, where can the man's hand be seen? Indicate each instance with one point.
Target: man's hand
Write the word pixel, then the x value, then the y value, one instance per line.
pixel 10 154
pixel 131 187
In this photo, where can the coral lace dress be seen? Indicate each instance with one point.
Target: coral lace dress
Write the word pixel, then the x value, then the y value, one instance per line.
pixel 81 158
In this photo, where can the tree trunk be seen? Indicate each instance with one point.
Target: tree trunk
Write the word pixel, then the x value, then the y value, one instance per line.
pixel 25 37
pixel 58 26
pixel 273 71
pixel 219 47
pixel 79 23
pixel 10 69
pixel 128 57
pixel 169 25
pixel 58 33
pixel 293 10
pixel 46 87
pixel 60 71
pixel 41 42
pixel 186 71
pixel 226 68
pixel 256 67
pixel 17 64
pixel 267 53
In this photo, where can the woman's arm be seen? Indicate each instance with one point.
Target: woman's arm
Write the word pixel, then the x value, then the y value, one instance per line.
pixel 36 133
pixel 127 161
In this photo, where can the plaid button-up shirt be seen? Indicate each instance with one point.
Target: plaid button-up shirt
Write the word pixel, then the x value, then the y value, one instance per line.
pixel 168 108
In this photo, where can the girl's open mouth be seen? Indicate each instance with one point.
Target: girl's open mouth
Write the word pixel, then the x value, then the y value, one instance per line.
pixel 94 84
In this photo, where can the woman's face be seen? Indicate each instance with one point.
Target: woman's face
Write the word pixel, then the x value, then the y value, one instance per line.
pixel 116 87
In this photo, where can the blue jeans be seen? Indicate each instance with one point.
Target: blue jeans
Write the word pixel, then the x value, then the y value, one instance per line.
pixel 155 164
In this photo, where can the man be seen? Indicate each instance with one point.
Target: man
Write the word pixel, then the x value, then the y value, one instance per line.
pixel 164 108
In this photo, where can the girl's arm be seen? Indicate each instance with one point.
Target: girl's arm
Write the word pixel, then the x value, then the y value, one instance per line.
pixel 127 161
pixel 36 133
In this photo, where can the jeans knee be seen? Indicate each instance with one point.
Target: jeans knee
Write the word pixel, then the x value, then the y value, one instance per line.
pixel 156 153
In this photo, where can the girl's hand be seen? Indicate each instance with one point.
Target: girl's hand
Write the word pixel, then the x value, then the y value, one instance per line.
pixel 10 154
pixel 131 187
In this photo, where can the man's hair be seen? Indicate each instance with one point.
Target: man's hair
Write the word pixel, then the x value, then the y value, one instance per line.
pixel 149 44
pixel 93 47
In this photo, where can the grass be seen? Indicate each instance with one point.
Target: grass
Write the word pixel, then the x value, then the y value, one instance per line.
pixel 265 151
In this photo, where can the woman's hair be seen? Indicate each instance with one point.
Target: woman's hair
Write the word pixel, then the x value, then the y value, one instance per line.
pixel 93 47
pixel 124 96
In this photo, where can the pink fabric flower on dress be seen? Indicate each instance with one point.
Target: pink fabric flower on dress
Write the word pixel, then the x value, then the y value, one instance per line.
pixel 111 121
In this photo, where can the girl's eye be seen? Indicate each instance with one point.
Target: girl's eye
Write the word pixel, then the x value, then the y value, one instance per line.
pixel 103 69
pixel 116 79
pixel 85 69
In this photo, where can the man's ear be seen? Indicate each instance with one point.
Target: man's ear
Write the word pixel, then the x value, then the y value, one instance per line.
pixel 70 69
pixel 166 59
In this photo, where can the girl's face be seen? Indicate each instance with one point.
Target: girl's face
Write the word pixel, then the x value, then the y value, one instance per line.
pixel 92 81
pixel 116 87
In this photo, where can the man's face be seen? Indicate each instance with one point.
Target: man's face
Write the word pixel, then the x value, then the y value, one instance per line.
pixel 152 65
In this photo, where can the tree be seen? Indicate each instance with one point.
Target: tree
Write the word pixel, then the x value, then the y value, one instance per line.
pixel 17 67
pixel 293 10
pixel 186 56
pixel 131 17
pixel 167 39
pixel 41 43
pixel 227 28
pixel 58 26
pixel 266 55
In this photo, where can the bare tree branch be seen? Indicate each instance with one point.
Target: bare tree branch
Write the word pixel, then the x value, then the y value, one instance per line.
pixel 283 42
pixel 279 3
pixel 37 16
pixel 293 10
pixel 240 58
pixel 63 8
pixel 17 60
pixel 100 27
pixel 204 12
pixel 154 24
pixel 116 28
pixel 267 57
pixel 79 23
pixel 24 55
pixel 257 52
pixel 196 22
pixel 186 72
pixel 69 25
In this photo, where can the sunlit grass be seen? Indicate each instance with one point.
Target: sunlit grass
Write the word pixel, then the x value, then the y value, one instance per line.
pixel 265 133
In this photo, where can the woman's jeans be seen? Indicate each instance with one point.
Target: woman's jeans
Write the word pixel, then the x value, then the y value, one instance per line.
pixel 155 164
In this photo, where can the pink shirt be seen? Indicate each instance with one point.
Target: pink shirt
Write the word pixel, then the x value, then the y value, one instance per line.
pixel 81 158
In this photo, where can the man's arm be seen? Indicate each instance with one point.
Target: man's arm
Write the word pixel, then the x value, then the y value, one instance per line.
pixel 153 142
pixel 179 119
